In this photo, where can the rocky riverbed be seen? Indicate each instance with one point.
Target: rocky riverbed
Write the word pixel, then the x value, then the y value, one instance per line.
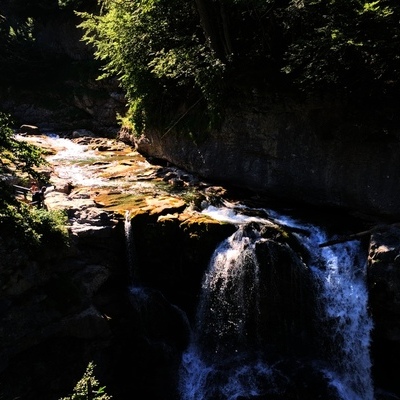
pixel 90 176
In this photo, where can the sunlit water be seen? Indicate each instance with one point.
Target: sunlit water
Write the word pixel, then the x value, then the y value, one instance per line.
pixel 218 363
pixel 75 163
pixel 80 166
pixel 340 271
pixel 212 372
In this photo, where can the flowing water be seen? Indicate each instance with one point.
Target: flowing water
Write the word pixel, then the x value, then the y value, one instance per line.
pixel 224 360
pixel 340 273
pixel 75 163
pixel 221 363
pixel 130 248
pixel 82 166
pixel 219 341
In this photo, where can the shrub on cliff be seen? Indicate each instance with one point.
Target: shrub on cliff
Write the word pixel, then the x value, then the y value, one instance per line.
pixel 35 232
pixel 88 387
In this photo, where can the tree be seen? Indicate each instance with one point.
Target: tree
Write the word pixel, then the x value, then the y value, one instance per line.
pixel 181 55
pixel 88 387
pixel 157 50
pixel 344 45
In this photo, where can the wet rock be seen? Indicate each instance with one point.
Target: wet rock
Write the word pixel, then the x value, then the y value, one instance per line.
pixel 29 130
pixel 384 294
pixel 78 133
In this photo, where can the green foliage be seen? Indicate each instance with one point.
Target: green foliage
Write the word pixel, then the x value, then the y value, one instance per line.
pixel 22 227
pixel 175 55
pixel 17 156
pixel 35 231
pixel 179 58
pixel 88 387
pixel 348 45
pixel 156 50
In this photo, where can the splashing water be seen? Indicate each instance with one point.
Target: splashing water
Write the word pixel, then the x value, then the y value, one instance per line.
pixel 71 163
pixel 223 362
pixel 201 380
pixel 226 297
pixel 130 248
pixel 228 215
pixel 69 150
pixel 343 297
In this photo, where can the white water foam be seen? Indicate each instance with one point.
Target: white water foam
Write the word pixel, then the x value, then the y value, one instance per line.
pixel 226 214
pixel 343 316
pixel 229 369
pixel 340 270
pixel 71 163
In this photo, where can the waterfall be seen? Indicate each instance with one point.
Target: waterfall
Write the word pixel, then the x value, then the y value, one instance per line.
pixel 130 248
pixel 226 361
pixel 344 319
pixel 230 294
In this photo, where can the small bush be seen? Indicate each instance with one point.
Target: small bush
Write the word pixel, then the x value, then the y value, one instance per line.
pixel 31 233
pixel 88 387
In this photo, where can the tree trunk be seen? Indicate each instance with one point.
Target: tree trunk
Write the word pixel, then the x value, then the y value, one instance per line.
pixel 215 25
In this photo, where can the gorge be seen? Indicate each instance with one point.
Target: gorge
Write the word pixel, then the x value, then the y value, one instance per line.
pixel 254 259
pixel 175 287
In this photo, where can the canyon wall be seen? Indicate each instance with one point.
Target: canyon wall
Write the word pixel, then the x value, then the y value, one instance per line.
pixel 306 153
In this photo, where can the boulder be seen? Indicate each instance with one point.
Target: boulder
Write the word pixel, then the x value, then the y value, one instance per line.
pixel 384 294
pixel 29 130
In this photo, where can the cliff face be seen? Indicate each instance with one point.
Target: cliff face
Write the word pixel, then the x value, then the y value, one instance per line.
pixel 301 152
pixel 384 288
pixel 58 89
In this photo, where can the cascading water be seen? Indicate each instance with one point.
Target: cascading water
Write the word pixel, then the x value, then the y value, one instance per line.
pixel 129 245
pixel 339 271
pixel 220 341
pixel 226 361
pixel 70 163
